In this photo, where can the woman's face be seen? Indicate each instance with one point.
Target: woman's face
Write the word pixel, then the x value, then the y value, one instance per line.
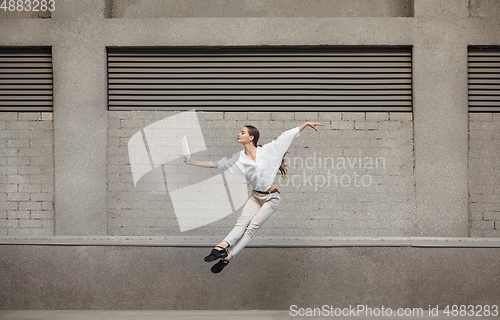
pixel 243 136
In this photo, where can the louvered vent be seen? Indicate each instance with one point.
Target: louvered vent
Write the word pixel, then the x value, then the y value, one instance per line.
pixel 266 79
pixel 484 79
pixel 25 79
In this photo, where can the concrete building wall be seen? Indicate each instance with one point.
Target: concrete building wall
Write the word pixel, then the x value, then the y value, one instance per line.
pixel 148 278
pixel 132 9
pixel 88 140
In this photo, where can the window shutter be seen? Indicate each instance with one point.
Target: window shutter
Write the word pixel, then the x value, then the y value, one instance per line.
pixel 25 79
pixel 484 79
pixel 266 79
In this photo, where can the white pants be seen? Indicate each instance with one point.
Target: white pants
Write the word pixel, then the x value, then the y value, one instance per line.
pixel 256 211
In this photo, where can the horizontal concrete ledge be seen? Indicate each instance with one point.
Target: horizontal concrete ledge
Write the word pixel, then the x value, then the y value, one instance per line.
pixel 288 242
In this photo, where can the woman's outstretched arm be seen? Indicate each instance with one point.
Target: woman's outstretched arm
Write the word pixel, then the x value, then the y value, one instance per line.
pixel 310 124
pixel 204 164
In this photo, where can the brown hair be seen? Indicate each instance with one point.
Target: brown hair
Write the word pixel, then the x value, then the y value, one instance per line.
pixel 253 131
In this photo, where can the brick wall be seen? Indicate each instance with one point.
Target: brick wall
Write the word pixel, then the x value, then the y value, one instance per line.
pixel 352 178
pixel 484 174
pixel 310 206
pixel 26 173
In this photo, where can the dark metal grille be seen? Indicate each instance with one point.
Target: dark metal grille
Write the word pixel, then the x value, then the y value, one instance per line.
pixel 267 79
pixel 484 79
pixel 25 79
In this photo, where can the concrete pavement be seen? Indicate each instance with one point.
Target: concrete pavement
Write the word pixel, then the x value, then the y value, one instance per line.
pixel 192 315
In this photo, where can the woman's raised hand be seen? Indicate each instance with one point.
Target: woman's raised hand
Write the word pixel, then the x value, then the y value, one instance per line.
pixel 310 124
pixel 314 124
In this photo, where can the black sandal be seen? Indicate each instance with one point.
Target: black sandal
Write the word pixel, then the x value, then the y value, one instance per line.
pixel 216 268
pixel 216 254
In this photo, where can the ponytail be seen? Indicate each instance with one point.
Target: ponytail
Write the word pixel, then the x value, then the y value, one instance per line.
pixel 283 167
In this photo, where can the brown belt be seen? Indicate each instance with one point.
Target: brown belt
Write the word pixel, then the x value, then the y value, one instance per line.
pixel 268 192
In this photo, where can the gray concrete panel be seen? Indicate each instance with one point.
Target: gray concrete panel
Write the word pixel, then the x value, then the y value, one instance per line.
pixel 411 314
pixel 24 11
pixel 441 9
pixel 448 277
pixel 80 125
pixel 27 32
pixel 441 122
pixel 133 9
pixel 80 139
pixel 259 31
pixel 72 277
pixel 484 9
pixel 86 10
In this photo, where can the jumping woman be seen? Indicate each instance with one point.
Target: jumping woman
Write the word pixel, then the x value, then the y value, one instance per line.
pixel 259 165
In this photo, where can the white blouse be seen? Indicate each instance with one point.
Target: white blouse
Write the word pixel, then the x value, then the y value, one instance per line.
pixel 261 172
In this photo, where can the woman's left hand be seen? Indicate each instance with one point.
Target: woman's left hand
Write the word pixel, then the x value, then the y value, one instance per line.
pixel 310 124
pixel 314 124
